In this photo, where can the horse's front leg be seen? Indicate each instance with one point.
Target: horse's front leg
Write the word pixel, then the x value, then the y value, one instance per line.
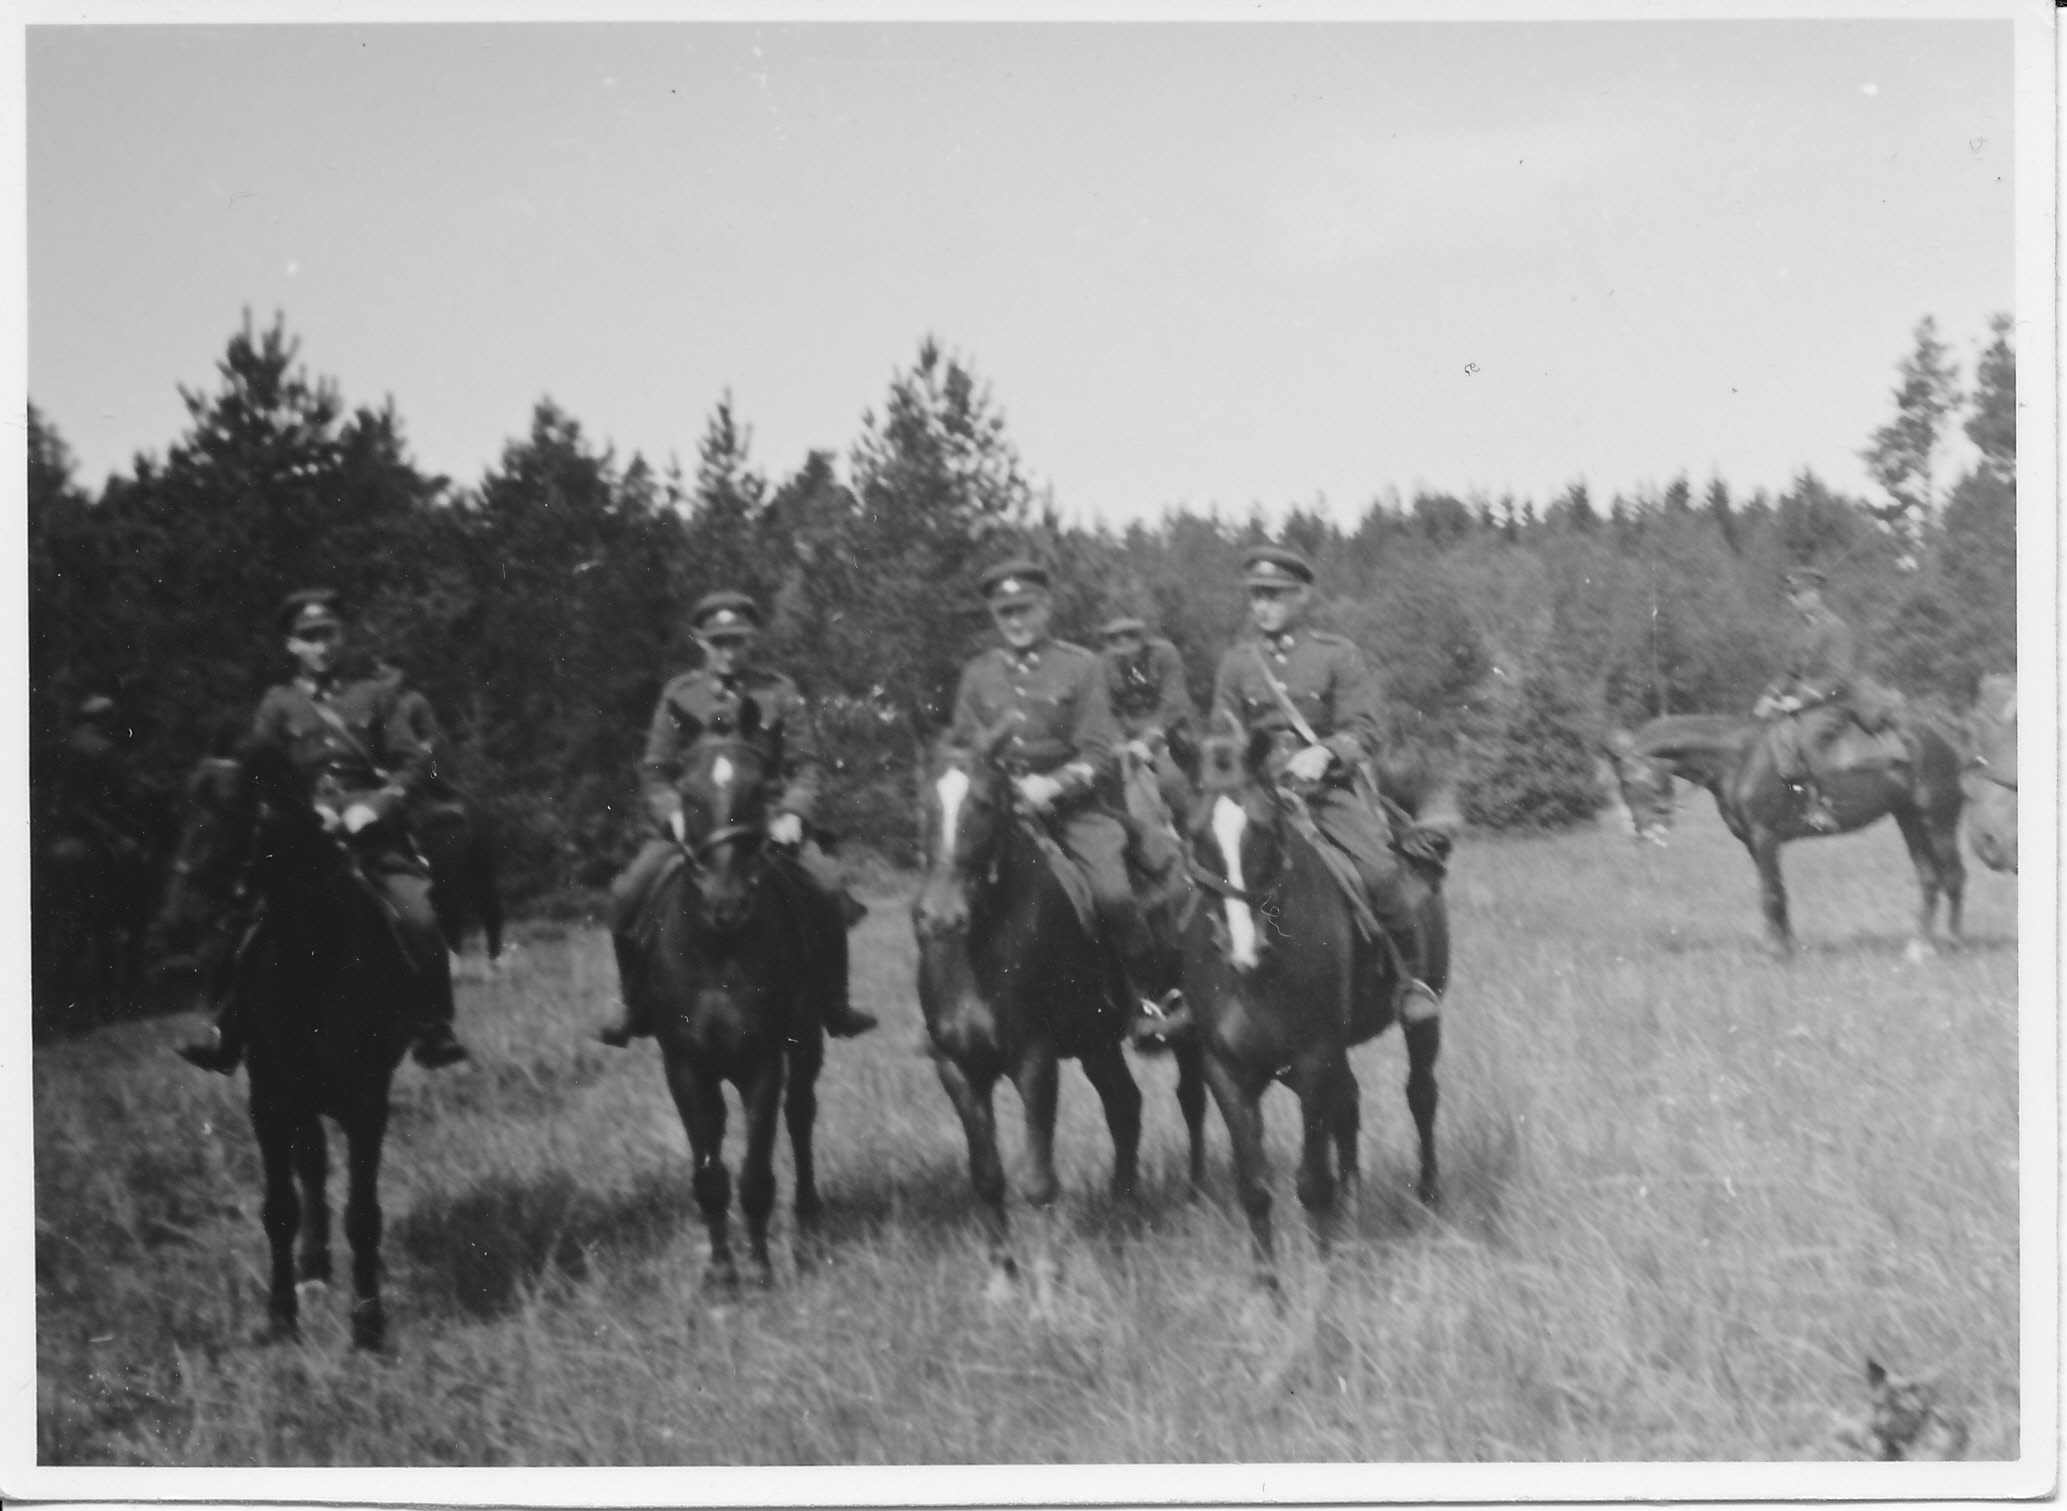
pixel 800 1113
pixel 1191 1101
pixel 1315 1080
pixel 700 1100
pixel 971 1093
pixel 763 1105
pixel 1239 1096
pixel 1424 1043
pixel 312 1165
pixel 274 1126
pixel 1036 1077
pixel 1772 892
pixel 1345 1120
pixel 1106 1069
pixel 364 1135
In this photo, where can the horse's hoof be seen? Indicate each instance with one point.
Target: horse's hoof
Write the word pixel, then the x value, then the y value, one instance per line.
pixel 312 1287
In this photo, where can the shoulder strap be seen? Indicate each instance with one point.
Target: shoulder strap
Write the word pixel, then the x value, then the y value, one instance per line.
pixel 338 726
pixel 1284 699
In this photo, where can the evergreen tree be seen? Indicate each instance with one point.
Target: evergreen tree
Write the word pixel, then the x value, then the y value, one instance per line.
pixel 1902 456
pixel 1993 425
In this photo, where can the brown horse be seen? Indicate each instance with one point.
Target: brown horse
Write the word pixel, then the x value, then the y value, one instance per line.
pixel 1282 982
pixel 330 996
pixel 1734 759
pixel 727 953
pixel 1012 983
pixel 1991 776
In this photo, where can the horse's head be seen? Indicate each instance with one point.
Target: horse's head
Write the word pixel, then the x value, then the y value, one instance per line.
pixel 215 840
pixel 1646 787
pixel 967 804
pixel 724 787
pixel 1237 831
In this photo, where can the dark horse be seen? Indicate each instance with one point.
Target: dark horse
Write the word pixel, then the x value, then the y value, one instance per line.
pixel 1012 982
pixel 459 843
pixel 1991 779
pixel 726 940
pixel 330 997
pixel 1282 982
pixel 1734 759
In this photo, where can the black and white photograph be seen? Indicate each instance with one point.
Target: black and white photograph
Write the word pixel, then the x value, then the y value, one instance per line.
pixel 1209 754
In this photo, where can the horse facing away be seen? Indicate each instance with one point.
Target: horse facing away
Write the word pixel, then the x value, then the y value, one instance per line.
pixel 1991 775
pixel 1282 983
pixel 1733 758
pixel 331 999
pixel 1012 983
pixel 726 971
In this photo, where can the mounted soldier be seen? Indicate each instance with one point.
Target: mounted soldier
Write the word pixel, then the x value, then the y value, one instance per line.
pixel 1144 680
pixel 1062 746
pixel 727 626
pixel 1813 692
pixel 366 766
pixel 1311 694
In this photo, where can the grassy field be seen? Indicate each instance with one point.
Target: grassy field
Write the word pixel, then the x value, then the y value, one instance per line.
pixel 1688 1191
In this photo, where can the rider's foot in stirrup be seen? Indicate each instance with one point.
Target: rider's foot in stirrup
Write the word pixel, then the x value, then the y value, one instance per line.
pixel 1418 1002
pixel 212 1053
pixel 436 1047
pixel 844 1021
pixel 1157 1023
pixel 1815 812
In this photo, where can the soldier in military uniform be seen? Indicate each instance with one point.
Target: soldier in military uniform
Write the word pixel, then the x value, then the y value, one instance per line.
pixel 1144 680
pixel 366 765
pixel 1286 666
pixel 1814 689
pixel 1062 746
pixel 727 626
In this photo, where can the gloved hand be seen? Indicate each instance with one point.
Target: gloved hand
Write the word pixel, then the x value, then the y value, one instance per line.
pixel 1039 792
pixel 1423 843
pixel 786 829
pixel 678 827
pixel 358 816
pixel 1310 764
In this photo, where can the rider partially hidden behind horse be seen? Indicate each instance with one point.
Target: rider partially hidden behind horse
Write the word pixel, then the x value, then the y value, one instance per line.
pixel 365 764
pixel 727 625
pixel 1062 748
pixel 1312 695
pixel 1814 690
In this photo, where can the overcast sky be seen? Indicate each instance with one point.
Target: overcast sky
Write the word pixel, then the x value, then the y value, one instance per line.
pixel 1198 264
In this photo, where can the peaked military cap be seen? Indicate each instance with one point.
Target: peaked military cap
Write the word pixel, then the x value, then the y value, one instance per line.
pixel 725 612
pixel 1125 624
pixel 1016 581
pixel 306 608
pixel 1806 577
pixel 1276 567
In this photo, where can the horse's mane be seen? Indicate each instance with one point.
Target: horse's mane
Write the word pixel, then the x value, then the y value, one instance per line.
pixel 1686 734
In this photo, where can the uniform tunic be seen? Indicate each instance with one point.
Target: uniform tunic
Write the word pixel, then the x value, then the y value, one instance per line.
pixel 1052 698
pixel 376 760
pixel 1147 690
pixel 1326 679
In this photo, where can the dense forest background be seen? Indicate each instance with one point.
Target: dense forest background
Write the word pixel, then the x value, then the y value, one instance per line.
pixel 542 607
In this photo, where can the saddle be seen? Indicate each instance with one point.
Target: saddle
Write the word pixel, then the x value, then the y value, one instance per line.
pixel 1076 884
pixel 1858 746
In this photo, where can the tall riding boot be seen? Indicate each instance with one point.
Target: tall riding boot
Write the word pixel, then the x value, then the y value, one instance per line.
pixel 1815 809
pixel 436 1046
pixel 222 1047
pixel 632 1022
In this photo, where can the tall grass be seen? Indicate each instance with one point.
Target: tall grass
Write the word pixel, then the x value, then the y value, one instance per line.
pixel 1687 1191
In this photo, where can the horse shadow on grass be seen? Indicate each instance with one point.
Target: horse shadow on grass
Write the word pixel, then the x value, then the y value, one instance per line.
pixel 1875 944
pixel 483 1249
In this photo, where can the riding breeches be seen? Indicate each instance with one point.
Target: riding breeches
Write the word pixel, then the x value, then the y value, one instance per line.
pixel 405 884
pixel 1394 893
pixel 1098 842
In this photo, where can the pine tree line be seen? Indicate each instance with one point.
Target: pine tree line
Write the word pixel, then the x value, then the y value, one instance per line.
pixel 541 607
